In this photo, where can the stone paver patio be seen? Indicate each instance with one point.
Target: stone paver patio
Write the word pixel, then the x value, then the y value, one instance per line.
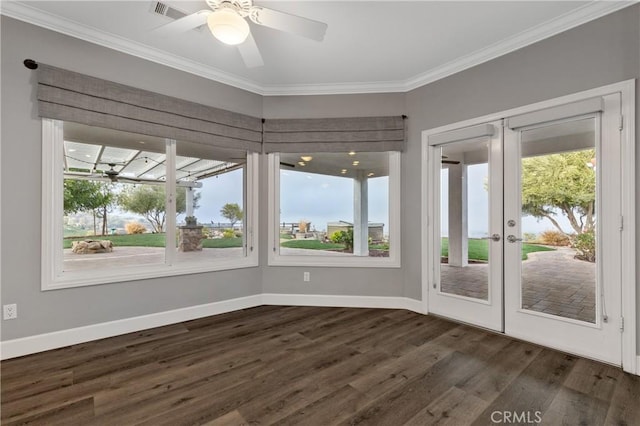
pixel 553 282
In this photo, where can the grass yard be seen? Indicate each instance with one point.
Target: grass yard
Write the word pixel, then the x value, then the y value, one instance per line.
pixel 479 249
pixel 312 245
pixel 319 245
pixel 153 240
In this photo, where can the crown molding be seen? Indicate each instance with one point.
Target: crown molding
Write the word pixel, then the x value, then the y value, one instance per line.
pixel 26 13
pixel 575 18
pixel 592 10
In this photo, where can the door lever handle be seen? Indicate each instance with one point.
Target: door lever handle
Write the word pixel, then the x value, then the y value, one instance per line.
pixel 494 237
pixel 513 239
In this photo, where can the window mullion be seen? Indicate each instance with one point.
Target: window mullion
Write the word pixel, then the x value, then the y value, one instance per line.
pixel 170 190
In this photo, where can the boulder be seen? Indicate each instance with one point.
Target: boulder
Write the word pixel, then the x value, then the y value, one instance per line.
pixel 92 246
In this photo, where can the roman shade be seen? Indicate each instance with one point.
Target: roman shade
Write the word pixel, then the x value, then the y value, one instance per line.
pixel 363 134
pixel 70 96
pixel 575 109
pixel 466 133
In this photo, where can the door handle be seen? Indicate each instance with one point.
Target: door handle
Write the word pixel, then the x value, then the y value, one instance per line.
pixel 494 237
pixel 513 239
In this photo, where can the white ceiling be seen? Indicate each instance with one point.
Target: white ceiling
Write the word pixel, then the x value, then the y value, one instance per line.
pixel 370 46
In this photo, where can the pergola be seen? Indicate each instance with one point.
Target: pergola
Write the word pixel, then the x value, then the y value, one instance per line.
pixel 106 155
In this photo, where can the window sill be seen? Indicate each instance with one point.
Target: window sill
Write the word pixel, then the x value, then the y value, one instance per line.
pixel 95 277
pixel 347 262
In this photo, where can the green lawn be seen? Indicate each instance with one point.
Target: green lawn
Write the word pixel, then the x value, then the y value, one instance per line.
pixel 312 245
pixel 319 245
pixel 154 240
pixel 478 249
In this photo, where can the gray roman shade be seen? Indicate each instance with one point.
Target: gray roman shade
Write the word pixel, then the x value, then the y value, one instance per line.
pixel 466 133
pixel 574 109
pixel 69 96
pixel 363 134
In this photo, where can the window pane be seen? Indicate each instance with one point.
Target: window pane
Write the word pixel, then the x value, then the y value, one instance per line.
pixel 114 199
pixel 334 204
pixel 210 203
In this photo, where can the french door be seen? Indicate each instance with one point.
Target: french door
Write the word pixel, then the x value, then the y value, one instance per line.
pixel 467 209
pixel 524 229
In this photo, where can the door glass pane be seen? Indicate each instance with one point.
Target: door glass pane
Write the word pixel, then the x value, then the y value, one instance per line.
pixel 558 190
pixel 464 219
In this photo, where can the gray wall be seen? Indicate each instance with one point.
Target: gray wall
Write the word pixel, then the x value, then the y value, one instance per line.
pixel 598 53
pixel 41 312
pixel 595 54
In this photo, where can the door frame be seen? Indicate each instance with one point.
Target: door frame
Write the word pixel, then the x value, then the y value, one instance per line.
pixel 630 359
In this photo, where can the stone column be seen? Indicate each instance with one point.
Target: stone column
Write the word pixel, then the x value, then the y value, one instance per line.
pixel 361 215
pixel 458 227
pixel 190 238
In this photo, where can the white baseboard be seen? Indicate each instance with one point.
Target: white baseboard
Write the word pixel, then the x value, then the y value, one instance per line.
pixel 342 301
pixel 58 339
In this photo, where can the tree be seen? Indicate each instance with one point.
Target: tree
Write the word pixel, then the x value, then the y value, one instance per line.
pixel 561 182
pixel 89 196
pixel 149 201
pixel 232 212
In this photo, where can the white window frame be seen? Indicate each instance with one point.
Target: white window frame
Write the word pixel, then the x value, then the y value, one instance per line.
pixel 53 277
pixel 276 259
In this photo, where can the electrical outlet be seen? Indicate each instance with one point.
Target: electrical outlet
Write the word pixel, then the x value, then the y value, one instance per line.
pixel 10 311
pixel 307 277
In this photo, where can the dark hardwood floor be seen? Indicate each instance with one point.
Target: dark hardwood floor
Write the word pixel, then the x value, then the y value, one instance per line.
pixel 314 366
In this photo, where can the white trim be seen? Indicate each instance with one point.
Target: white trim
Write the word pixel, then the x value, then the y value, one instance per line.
pixel 629 173
pixel 393 261
pixel 572 19
pixel 73 336
pixel 330 300
pixel 58 339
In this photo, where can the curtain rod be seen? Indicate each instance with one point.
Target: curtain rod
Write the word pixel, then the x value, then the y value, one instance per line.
pixel 33 65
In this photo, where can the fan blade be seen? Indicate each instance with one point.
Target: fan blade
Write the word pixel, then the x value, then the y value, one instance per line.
pixel 450 162
pixel 182 25
pixel 250 53
pixel 289 23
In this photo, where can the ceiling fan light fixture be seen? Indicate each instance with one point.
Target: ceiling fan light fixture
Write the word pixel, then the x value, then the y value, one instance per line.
pixel 228 27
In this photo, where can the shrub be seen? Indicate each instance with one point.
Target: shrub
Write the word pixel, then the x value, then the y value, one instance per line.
pixel 135 228
pixel 529 236
pixel 343 237
pixel 228 233
pixel 585 244
pixel 554 238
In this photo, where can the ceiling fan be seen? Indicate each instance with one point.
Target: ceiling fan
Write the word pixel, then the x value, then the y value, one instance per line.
pixel 227 22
